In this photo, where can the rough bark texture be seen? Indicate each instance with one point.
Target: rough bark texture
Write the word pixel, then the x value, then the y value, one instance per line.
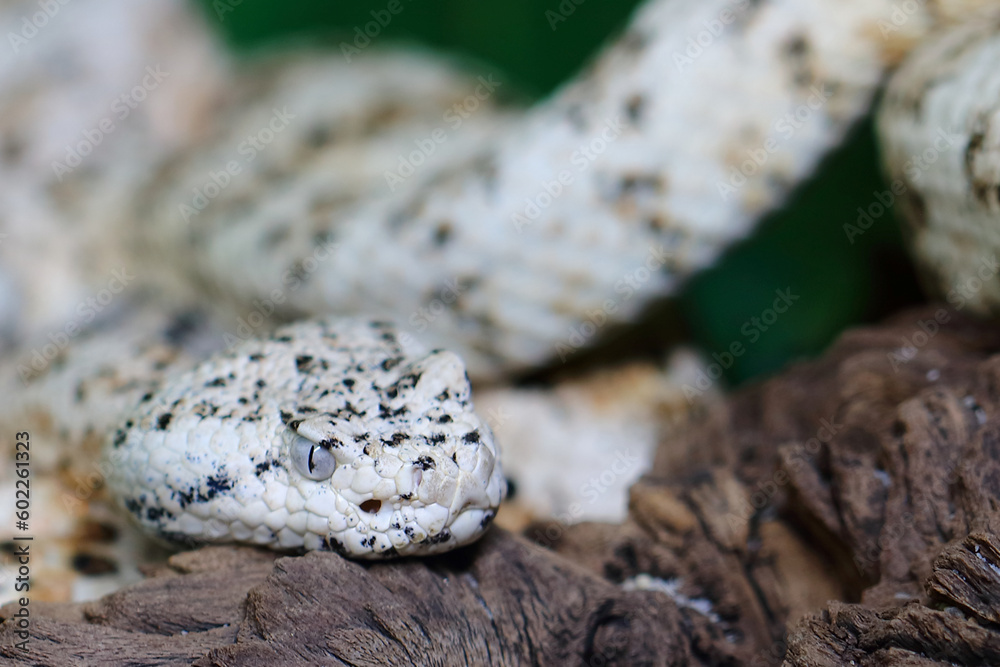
pixel 870 476
pixel 846 510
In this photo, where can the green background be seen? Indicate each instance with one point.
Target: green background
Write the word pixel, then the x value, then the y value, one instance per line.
pixel 803 247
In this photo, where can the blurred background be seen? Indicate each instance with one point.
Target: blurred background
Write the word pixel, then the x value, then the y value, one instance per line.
pixel 805 247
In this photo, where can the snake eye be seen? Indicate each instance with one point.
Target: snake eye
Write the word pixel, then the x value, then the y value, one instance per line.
pixel 312 460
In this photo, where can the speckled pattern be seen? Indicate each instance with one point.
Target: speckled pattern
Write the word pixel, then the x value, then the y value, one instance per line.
pixel 940 136
pixel 696 122
pixel 238 449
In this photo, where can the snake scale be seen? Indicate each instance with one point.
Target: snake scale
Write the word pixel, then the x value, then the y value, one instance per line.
pixel 295 187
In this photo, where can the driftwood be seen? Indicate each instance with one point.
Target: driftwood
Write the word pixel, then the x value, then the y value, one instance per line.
pixel 870 476
pixel 500 602
pixel 845 510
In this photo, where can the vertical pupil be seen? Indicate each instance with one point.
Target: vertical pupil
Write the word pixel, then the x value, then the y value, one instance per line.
pixel 312 466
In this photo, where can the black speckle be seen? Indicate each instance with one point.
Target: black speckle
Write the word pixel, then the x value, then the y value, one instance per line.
pixel 391 363
pixel 436 439
pixel 472 436
pixel 351 410
pixel 286 417
pixel 443 233
pixel 217 484
pixel 318 136
pixel 164 421
pixel 93 565
pixel 261 384
pixel 444 419
pixel 134 507
pixel 334 545
pixel 256 356
pixel 148 396
pixel 797 47
pixel 385 413
pixel 157 513
pixel 634 107
pixel 217 382
pixel 205 409
pixel 283 339
pixel 302 362
pixel 184 498
pixel 262 468
pixel 182 326
pixel 348 382
pixel 443 536
pixel 242 400
pixel 119 438
pixel 425 463
pixel 487 518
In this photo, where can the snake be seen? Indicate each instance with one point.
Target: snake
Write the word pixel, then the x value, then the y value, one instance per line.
pixel 301 227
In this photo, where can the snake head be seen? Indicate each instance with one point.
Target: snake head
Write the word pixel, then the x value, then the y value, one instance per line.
pixel 405 467
pixel 331 434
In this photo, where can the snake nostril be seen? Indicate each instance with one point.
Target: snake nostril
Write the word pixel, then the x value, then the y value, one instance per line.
pixel 371 506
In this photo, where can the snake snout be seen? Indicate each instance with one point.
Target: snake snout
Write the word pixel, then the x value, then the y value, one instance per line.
pixel 442 377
